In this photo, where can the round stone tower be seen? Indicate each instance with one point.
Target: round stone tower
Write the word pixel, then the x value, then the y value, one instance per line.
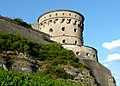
pixel 64 26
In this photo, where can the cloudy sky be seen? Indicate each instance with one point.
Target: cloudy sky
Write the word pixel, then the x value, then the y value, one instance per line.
pixel 102 23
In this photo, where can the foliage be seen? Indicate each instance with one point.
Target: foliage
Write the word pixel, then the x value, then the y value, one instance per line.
pixel 18 21
pixel 12 78
pixel 53 54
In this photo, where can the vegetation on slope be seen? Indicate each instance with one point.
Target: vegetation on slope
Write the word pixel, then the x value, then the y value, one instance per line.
pixel 18 21
pixel 53 56
pixel 12 78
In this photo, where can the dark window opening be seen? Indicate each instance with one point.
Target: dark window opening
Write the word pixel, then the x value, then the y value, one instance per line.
pixel 49 15
pixel 63 28
pixel 93 55
pixel 51 30
pixel 77 53
pixel 75 15
pixel 62 20
pixel 75 42
pixel 55 20
pixel 63 40
pixel 87 54
pixel 70 14
pixel 56 14
pixel 78 25
pixel 68 21
pixel 75 22
pixel 63 34
pixel 75 30
pixel 63 13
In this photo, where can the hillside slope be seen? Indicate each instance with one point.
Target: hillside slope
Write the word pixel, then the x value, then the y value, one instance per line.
pixel 10 27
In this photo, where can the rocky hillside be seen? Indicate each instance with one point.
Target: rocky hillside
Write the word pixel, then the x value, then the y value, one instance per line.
pixel 7 25
pixel 28 51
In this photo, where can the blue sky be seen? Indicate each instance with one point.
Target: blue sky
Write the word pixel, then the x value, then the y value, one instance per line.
pixel 102 23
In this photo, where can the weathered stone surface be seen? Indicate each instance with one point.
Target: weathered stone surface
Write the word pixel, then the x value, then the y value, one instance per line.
pixel 82 76
pixel 101 73
pixel 25 66
pixel 29 33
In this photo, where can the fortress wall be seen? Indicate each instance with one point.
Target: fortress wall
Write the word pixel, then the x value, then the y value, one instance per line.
pixel 83 52
pixel 34 26
pixel 67 40
pixel 62 23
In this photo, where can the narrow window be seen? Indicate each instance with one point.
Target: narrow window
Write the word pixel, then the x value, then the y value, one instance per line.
pixel 49 15
pixel 56 14
pixel 87 54
pixel 62 20
pixel 63 28
pixel 50 30
pixel 63 34
pixel 75 30
pixel 63 40
pixel 55 21
pixel 75 15
pixel 63 13
pixel 75 22
pixel 70 14
pixel 75 42
pixel 93 55
pixel 78 25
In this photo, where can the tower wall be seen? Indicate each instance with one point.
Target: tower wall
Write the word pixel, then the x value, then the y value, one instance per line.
pixel 63 26
pixel 83 52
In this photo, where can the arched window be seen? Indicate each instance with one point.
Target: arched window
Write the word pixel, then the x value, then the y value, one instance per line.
pixel 63 41
pixel 63 28
pixel 49 15
pixel 63 13
pixel 87 54
pixel 75 42
pixel 94 56
pixel 50 30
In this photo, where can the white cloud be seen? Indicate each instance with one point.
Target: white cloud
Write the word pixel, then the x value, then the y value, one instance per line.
pixel 112 57
pixel 115 44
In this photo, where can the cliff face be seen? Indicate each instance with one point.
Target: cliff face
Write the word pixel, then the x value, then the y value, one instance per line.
pixel 101 73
